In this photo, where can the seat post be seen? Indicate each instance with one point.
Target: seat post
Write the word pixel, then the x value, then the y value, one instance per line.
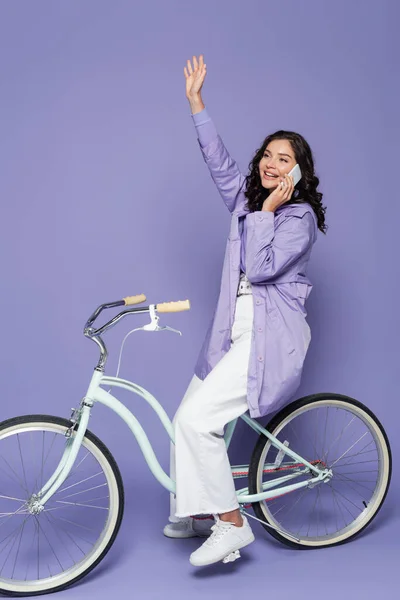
pixel 230 428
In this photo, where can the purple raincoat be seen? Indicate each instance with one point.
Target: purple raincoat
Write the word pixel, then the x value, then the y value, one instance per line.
pixel 277 249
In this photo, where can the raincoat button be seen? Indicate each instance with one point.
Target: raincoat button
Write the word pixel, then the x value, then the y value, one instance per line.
pixel 258 301
pixel 260 358
pixel 259 329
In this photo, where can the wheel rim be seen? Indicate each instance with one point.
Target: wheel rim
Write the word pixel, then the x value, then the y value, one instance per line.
pixel 331 434
pixel 48 550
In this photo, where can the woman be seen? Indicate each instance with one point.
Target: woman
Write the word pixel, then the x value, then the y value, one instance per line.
pixel 253 353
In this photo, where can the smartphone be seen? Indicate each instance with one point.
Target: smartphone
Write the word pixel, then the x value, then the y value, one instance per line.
pixel 296 174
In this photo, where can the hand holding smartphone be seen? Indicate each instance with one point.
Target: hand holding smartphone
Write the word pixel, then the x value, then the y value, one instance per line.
pixel 275 199
pixel 296 172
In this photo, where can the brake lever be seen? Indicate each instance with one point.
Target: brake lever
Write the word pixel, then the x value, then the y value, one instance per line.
pixel 169 329
pixel 153 325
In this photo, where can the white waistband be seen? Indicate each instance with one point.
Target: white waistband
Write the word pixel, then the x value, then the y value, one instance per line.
pixel 244 285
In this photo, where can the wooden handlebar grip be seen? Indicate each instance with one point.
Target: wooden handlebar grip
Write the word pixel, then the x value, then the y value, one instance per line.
pixel 129 300
pixel 173 306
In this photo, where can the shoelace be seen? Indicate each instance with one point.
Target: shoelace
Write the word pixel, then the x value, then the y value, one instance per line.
pixel 218 531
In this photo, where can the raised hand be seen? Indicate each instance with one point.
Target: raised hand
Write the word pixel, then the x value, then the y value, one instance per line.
pixel 195 76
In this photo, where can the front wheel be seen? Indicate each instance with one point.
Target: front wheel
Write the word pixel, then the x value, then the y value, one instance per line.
pixel 46 552
pixel 331 431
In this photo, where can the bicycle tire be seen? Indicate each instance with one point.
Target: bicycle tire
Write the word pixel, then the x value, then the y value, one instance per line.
pixel 272 426
pixel 103 450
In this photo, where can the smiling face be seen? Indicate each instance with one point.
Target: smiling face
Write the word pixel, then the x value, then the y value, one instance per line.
pixel 278 159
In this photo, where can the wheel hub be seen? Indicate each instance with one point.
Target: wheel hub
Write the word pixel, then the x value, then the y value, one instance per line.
pixel 34 507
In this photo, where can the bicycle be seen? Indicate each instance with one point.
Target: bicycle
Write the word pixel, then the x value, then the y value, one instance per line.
pixel 62 497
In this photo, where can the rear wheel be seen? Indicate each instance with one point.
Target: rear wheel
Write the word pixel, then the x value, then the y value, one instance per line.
pixel 334 432
pixel 46 552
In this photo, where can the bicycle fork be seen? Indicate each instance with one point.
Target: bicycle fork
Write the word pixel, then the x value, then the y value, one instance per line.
pixel 74 435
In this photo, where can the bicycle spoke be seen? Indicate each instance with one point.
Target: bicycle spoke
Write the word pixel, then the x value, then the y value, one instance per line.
pixel 62 543
pixel 38 549
pixel 316 434
pixel 50 449
pixel 322 510
pixel 11 498
pixel 347 499
pixel 295 503
pixel 81 504
pixel 18 480
pixel 298 531
pixel 95 487
pixel 10 534
pixel 346 480
pixel 316 497
pixel 357 472
pixel 318 452
pixel 22 462
pixel 359 462
pixel 18 511
pixel 327 430
pixel 78 482
pixel 344 453
pixel 333 502
pixel 30 554
pixel 76 534
pixel 75 468
pixel 76 524
pixel 339 506
pixel 19 545
pixel 326 424
pixel 42 465
pixel 51 547
pixel 10 550
pixel 357 454
pixel 339 437
pixel 35 487
pixel 15 537
pixel 38 546
pixel 308 457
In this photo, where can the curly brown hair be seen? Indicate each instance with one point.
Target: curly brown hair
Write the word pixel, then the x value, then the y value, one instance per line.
pixel 306 188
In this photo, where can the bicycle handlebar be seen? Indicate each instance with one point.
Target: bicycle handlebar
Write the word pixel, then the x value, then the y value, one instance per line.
pixel 163 307
pixel 129 300
pixel 176 306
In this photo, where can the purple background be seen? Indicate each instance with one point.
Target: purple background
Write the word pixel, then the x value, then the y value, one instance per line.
pixel 104 194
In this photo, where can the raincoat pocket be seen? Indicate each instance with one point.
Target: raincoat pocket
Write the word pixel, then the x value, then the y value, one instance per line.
pixel 303 291
pixel 283 331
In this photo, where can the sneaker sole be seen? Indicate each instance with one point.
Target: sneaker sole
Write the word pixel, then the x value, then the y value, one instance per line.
pixel 203 563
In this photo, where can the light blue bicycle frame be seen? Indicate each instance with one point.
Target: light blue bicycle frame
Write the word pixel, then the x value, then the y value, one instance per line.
pixel 97 394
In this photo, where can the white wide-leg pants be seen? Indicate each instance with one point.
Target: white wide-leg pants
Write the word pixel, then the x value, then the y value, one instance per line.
pixel 199 461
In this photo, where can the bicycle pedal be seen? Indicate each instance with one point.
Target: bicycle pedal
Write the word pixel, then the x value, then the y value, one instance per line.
pixel 231 557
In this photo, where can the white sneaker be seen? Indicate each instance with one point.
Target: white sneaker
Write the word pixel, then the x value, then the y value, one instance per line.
pixel 225 540
pixel 186 528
